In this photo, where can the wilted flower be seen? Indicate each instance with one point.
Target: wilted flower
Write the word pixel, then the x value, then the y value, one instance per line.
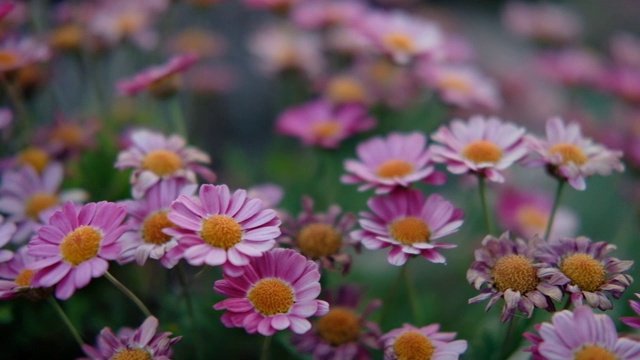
pixel 410 342
pixel 160 81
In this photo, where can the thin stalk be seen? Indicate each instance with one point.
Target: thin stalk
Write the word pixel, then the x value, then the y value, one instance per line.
pixel 190 309
pixel 265 348
pixel 67 321
pixel 19 106
pixel 508 338
pixel 413 299
pixel 554 209
pixel 389 300
pixel 128 293
pixel 177 116
pixel 483 200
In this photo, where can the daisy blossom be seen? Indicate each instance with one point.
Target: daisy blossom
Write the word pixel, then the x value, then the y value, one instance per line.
pixel 484 146
pixel 76 245
pixel 277 291
pixel 221 228
pixel 408 223
pixel 154 157
pixel 508 270
pixel 570 156
pixel 395 161
pixel 19 53
pixel 142 343
pixel 634 322
pixel 583 269
pixel 161 81
pixel 410 342
pixel 16 279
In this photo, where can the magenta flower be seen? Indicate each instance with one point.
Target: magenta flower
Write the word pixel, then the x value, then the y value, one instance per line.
pixel 570 67
pixel 583 269
pixel 271 194
pixel 410 342
pixel 16 279
pixel 220 228
pixel 6 7
pixel 319 123
pixel 408 223
pixel 142 343
pixel 634 322
pixel 395 161
pixel 76 245
pixel 277 291
pixel 570 156
pixel 155 157
pixel 484 146
pixel 581 334
pixel 161 81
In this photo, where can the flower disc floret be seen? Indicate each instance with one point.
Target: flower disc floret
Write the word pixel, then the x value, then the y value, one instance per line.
pixel 317 240
pixel 271 296
pixel 80 245
pixel 394 168
pixel 162 162
pixel 221 231
pixel 38 202
pixel 515 272
pixel 410 230
pixel 482 151
pixel 410 342
pixel 584 271
pixel 132 354
pixel 412 345
pixel 152 228
pixel 339 326
pixel 570 154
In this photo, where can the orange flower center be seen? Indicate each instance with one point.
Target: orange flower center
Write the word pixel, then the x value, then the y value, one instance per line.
pixel 482 151
pixel 412 345
pixel 152 228
pixel 410 230
pixel 24 277
pixel 382 71
pixel 129 23
pixel 344 89
pixel 570 153
pixel 221 231
pixel 532 217
pixel 68 134
pixel 165 86
pixel 8 58
pixel 271 296
pixel 456 83
pixel 394 168
pixel 515 272
pixel 339 326
pixel 80 245
pixel 67 37
pixel 593 352
pixel 38 202
pixel 326 129
pixel 399 41
pixel 162 162
pixel 132 354
pixel 584 271
pixel 318 240
pixel 35 157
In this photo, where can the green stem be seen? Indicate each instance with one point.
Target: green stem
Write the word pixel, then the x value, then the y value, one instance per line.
pixel 483 200
pixel 554 209
pixel 389 300
pixel 19 106
pixel 177 116
pixel 67 321
pixel 508 339
pixel 128 293
pixel 265 348
pixel 413 299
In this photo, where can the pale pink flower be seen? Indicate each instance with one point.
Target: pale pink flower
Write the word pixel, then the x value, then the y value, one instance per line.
pixel 271 194
pixel 395 161
pixel 18 53
pixel 624 83
pixel 625 50
pixel 544 22
pixel 162 80
pixel 7 229
pixel 410 342
pixel 277 292
pixel 634 322
pixel 570 67
pixel 408 223
pixel 314 15
pixel 16 278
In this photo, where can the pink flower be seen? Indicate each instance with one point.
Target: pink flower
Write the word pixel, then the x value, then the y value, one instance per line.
pixel 321 14
pixel 278 6
pixel 155 157
pixel 16 279
pixel 161 81
pixel 547 23
pixel 623 82
pixel 17 54
pixel 570 156
pixel 484 146
pixel 570 67
pixel 277 291
pixel 408 223
pixel 271 194
pixel 634 322
pixel 220 228
pixel 7 229
pixel 625 50
pixel 6 7
pixel 395 161
pixel 76 245
pixel 6 117
pixel 410 342
pixel 319 123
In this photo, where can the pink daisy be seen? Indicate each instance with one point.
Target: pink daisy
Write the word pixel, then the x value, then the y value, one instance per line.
pixel 570 67
pixel 155 157
pixel 161 81
pixel 277 291
pixel 220 228
pixel 7 229
pixel 6 7
pixel 17 54
pixel 634 322
pixel 142 343
pixel 408 223
pixel 315 15
pixel 544 22
pixel 581 334
pixel 484 146
pixel 395 161
pixel 320 123
pixel 149 218
pixel 570 156
pixel 16 279
pixel 76 245
pixel 410 342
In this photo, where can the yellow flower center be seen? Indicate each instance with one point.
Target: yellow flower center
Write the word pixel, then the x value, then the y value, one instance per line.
pixel 24 277
pixel 515 272
pixel 399 41
pixel 80 245
pixel 482 151
pixel 68 134
pixel 271 296
pixel 593 352
pixel 38 202
pixel 318 240
pixel 339 326
pixel 532 217
pixel 35 157
pixel 221 231
pixel 129 23
pixel 152 228
pixel 394 168
pixel 456 83
pixel 570 153
pixel 412 345
pixel 410 230
pixel 132 354
pixel 162 162
pixel 382 71
pixel 165 86
pixel 8 58
pixel 67 37
pixel 584 271
pixel 344 89
pixel 326 129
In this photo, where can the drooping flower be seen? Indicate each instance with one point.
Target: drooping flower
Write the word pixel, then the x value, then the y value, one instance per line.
pixel 154 157
pixel 507 270
pixel 142 343
pixel 76 245
pixel 221 228
pixel 572 157
pixel 160 81
pixel 68 137
pixel 410 342
pixel 344 332
pixel 483 146
pixel 321 237
pixel 16 278
pixel 278 291
pixel 583 269
pixel 634 322
pixel 388 163
pixel 581 334
pixel 408 223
